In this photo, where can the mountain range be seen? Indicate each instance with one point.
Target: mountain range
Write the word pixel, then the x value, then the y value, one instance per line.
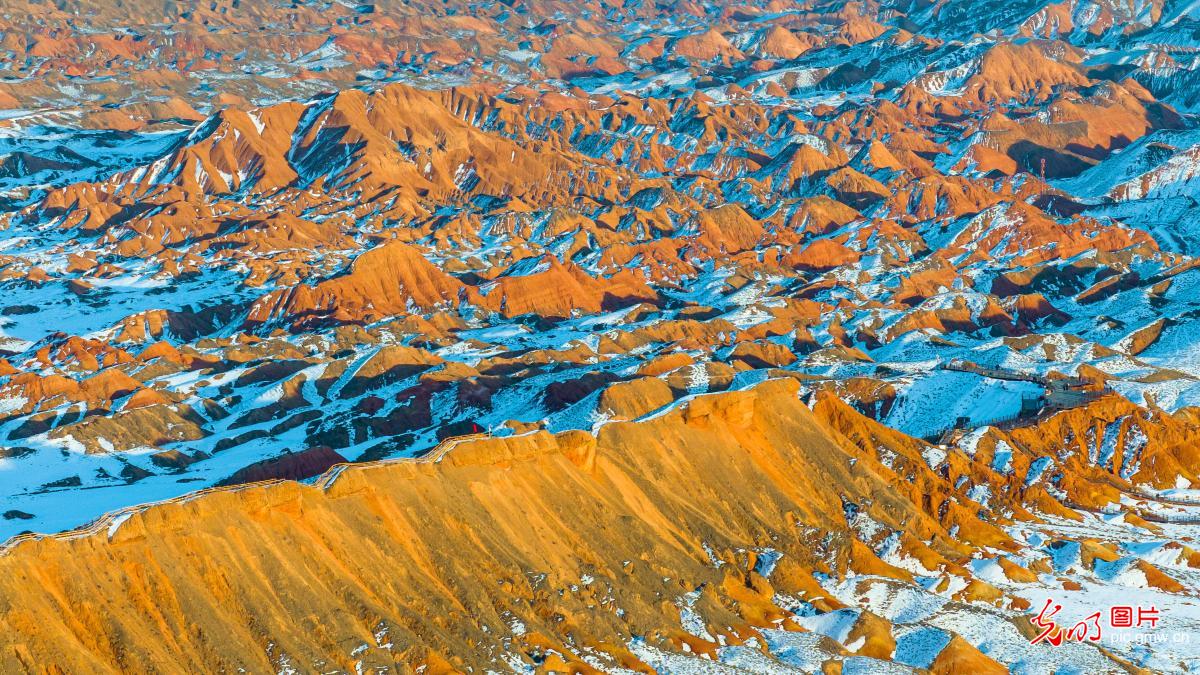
pixel 534 336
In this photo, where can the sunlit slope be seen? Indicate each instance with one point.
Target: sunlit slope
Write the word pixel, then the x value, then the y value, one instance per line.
pixel 539 545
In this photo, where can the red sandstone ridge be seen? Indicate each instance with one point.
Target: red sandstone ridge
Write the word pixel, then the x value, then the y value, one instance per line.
pixel 560 290
pixel 1014 70
pixel 779 42
pixel 392 278
pixel 705 46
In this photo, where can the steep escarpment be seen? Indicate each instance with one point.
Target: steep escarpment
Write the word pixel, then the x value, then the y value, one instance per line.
pixel 546 549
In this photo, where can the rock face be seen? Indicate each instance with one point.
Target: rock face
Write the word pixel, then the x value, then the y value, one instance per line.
pixel 693 532
pixel 657 508
pixel 635 398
